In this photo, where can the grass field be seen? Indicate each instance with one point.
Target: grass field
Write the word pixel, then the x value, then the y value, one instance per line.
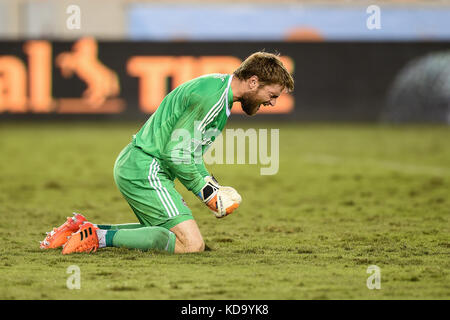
pixel 345 197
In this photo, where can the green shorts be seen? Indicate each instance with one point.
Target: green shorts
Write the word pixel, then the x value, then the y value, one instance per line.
pixel 148 189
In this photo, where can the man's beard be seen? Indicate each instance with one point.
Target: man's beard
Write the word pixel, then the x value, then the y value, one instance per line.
pixel 249 104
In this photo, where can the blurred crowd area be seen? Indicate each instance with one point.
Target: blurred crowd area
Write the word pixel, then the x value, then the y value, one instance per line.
pixel 231 20
pixel 353 60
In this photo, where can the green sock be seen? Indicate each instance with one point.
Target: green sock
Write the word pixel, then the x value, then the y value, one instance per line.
pixel 109 236
pixel 120 226
pixel 145 238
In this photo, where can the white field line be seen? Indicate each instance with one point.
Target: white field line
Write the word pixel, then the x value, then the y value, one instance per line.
pixel 325 159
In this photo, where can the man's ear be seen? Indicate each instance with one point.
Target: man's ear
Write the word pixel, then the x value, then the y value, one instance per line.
pixel 253 82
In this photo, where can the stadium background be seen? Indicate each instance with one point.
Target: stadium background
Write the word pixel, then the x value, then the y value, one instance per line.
pixel 352 190
pixel 396 72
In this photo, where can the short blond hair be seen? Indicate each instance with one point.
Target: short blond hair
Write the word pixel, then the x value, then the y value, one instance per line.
pixel 268 68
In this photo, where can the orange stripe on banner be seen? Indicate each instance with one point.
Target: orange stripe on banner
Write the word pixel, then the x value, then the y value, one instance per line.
pixel 75 105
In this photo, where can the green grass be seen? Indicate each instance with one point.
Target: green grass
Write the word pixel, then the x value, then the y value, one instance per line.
pixel 345 197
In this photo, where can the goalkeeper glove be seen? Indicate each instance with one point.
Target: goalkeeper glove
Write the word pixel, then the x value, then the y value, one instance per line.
pixel 222 201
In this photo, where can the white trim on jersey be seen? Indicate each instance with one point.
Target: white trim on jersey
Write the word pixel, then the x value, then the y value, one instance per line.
pixel 210 115
pixel 215 110
pixel 228 88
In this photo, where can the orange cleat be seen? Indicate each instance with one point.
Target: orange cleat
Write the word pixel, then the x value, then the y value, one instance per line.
pixel 85 240
pixel 58 236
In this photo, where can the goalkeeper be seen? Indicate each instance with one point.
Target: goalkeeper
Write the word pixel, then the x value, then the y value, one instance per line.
pixel 170 146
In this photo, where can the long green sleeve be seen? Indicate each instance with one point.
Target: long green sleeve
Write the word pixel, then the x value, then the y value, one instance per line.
pixel 185 124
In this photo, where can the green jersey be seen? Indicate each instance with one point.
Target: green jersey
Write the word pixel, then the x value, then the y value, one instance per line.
pixel 186 122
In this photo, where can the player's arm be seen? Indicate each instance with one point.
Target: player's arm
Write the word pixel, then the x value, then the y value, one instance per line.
pixel 181 160
pixel 222 201
pixel 183 154
pixel 202 169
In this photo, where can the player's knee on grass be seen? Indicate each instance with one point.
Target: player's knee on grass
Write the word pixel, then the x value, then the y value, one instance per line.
pixel 189 238
pixel 197 245
pixel 188 245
